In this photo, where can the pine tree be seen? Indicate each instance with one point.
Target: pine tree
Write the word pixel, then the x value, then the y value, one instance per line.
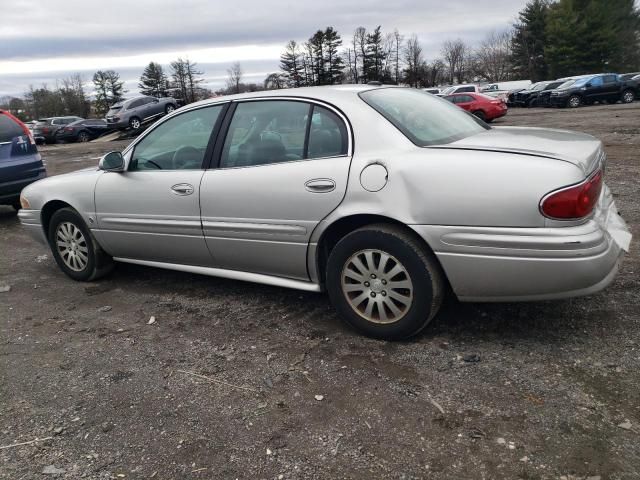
pixel 374 59
pixel 292 64
pixel 109 89
pixel 333 61
pixel 153 81
pixel 529 40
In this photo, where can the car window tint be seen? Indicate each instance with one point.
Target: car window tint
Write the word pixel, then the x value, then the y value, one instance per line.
pixel 179 143
pixel 265 132
pixel 135 104
pixel 9 129
pixel 596 82
pixel 424 119
pixel 327 135
pixel 466 99
pixel 466 89
pixel 610 78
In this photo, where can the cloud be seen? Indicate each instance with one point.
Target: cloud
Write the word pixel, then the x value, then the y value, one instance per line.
pixel 82 36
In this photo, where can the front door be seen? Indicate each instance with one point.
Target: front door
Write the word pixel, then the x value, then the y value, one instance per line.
pixel 283 168
pixel 152 210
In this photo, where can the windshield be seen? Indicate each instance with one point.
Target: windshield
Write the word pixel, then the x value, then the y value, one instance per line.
pixel 582 81
pixel 568 83
pixel 448 90
pixel 538 86
pixel 114 109
pixel 424 119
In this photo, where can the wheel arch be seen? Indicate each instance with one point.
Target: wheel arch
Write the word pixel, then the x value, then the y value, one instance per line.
pixel 341 227
pixel 47 211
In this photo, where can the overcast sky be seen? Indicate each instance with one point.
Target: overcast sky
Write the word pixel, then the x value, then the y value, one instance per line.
pixel 38 45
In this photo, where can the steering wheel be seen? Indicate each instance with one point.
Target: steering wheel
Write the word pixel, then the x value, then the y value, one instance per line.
pixel 271 134
pixel 187 152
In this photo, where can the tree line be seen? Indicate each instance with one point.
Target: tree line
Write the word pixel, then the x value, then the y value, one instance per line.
pixel 550 39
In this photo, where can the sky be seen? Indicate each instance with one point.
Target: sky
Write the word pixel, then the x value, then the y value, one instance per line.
pixel 39 45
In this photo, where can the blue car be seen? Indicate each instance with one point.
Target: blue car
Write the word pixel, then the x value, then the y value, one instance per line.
pixel 20 162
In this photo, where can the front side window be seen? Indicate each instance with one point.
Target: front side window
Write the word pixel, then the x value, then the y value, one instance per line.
pixel 180 143
pixel 596 82
pixel 424 119
pixel 610 78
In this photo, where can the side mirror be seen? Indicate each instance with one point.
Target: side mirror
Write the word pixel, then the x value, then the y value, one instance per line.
pixel 112 162
pixel 589 84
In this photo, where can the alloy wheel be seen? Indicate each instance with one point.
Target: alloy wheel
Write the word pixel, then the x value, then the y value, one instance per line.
pixel 377 286
pixel 574 102
pixel 72 246
pixel 628 97
pixel 135 124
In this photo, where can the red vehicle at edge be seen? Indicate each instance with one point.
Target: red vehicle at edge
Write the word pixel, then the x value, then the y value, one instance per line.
pixel 482 106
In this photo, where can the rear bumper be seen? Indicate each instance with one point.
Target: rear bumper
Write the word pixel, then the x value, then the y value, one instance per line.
pixel 31 222
pixel 10 191
pixel 520 264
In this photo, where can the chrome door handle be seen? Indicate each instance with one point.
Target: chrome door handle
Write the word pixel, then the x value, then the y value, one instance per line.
pixel 320 185
pixel 182 189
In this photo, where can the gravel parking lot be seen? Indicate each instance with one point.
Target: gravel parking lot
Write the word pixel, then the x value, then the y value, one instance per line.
pixel 236 380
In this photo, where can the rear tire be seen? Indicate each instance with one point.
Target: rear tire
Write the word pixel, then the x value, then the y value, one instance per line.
pixel 480 114
pixel 169 108
pixel 74 248
pixel 628 96
pixel 384 282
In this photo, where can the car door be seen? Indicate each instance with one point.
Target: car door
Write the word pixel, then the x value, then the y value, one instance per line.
pixel 594 89
pixel 281 168
pixel 152 210
pixel 465 101
pixel 153 107
pixel 610 87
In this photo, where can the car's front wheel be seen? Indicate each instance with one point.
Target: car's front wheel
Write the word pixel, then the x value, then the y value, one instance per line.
pixel 74 249
pixel 383 282
pixel 574 101
pixel 83 137
pixel 135 123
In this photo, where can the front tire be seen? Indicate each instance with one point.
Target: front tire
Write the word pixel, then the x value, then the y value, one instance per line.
pixel 134 122
pixel 83 137
pixel 574 101
pixel 384 282
pixel 74 248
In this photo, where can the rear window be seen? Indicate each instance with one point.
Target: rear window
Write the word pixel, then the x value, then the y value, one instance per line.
pixel 9 129
pixel 424 119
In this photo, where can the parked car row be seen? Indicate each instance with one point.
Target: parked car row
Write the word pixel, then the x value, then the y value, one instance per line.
pixel 580 90
pixel 482 106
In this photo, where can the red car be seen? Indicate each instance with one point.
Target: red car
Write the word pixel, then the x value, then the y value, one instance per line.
pixel 482 106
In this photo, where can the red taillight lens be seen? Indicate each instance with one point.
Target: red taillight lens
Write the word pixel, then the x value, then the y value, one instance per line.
pixel 576 201
pixel 45 129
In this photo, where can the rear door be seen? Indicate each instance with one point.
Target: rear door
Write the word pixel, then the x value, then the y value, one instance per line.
pixel 465 101
pixel 283 167
pixel 152 211
pixel 611 87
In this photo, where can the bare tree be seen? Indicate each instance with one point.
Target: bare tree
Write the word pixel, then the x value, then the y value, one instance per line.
pixel 396 42
pixel 234 78
pixel 455 53
pixel 492 59
pixel 414 62
pixel 276 81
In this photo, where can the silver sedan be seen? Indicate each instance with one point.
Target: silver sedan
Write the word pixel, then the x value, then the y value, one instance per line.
pixel 384 197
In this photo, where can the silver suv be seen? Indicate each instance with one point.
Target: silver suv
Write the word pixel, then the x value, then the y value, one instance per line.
pixel 133 112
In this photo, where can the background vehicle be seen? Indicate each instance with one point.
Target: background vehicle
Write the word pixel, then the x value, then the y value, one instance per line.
pixel 133 112
pixel 20 162
pixel 482 106
pixel 433 91
pixel 83 130
pixel 313 207
pixel 529 97
pixel 45 128
pixel 586 90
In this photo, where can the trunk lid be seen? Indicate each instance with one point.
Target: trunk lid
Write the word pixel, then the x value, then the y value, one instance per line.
pixel 580 149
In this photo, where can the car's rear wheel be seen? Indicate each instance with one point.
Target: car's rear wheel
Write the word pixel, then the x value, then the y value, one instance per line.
pixel 134 122
pixel 75 249
pixel 169 108
pixel 574 101
pixel 480 114
pixel 383 282
pixel 628 96
pixel 83 137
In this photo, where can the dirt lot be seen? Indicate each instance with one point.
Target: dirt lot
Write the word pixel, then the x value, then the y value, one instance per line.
pixel 517 391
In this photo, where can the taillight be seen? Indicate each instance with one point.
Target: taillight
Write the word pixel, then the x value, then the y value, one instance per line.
pixel 575 201
pixel 45 129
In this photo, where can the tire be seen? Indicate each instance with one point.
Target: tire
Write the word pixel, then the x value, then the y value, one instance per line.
pixel 135 123
pixel 627 96
pixel 83 137
pixel 169 108
pixel 480 114
pixel 419 282
pixel 574 101
pixel 67 231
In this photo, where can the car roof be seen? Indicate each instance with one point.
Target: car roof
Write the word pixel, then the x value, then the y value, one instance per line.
pixel 327 93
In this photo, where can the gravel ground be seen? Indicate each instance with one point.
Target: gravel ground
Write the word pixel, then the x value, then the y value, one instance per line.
pixel 236 380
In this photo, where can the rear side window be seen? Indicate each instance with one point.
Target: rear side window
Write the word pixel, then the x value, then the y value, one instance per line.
pixel 327 135
pixel 9 129
pixel 610 78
